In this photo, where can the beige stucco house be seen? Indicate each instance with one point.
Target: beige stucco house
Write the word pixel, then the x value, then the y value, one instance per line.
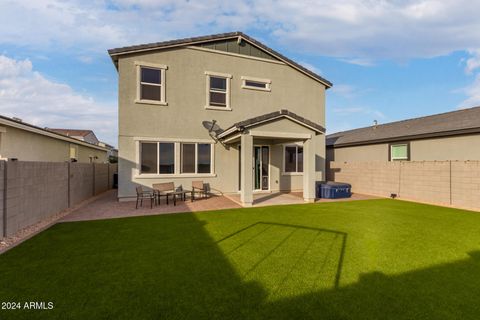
pixel 447 136
pixel 224 109
pixel 25 142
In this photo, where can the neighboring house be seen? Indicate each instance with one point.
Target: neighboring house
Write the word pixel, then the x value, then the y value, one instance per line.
pixel 224 109
pixel 447 136
pixel 26 142
pixel 112 151
pixel 84 135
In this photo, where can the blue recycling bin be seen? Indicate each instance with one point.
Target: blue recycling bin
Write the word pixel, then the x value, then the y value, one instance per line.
pixel 333 190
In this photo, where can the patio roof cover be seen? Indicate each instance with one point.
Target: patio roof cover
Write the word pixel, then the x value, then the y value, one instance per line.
pixel 241 126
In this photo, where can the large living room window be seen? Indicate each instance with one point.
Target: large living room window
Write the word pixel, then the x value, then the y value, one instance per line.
pixel 151 83
pixel 293 159
pixel 170 158
pixel 218 91
pixel 157 158
pixel 196 158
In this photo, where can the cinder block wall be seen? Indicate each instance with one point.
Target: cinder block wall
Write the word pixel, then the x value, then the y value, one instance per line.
pixel 101 178
pixel 81 182
pixel 37 190
pixel 2 194
pixel 455 183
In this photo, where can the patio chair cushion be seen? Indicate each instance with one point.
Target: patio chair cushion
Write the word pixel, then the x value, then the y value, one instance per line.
pixel 164 187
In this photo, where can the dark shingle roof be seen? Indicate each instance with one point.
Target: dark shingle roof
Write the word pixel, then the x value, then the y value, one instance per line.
pixel 187 41
pixel 239 126
pixel 444 124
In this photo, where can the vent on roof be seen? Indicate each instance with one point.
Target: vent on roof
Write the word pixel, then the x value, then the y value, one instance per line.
pixel 17 119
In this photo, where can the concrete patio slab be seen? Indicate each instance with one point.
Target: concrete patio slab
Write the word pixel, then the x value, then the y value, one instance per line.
pixel 107 207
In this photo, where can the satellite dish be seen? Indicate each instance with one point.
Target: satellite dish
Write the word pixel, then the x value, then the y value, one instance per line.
pixel 212 127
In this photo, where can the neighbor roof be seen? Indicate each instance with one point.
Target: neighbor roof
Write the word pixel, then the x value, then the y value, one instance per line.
pixel 114 53
pixel 444 124
pixel 73 132
pixel 240 126
pixel 43 131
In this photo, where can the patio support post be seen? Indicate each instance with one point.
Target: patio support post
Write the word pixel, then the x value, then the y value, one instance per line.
pixel 309 171
pixel 246 163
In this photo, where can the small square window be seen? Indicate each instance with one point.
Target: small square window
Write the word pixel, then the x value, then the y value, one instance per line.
pixel 399 152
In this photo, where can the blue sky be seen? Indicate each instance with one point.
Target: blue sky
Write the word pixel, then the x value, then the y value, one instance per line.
pixel 388 60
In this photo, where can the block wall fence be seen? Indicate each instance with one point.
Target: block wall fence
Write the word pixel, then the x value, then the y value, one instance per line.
pixel 450 183
pixel 32 191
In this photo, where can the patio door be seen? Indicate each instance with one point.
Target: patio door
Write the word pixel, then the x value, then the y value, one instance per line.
pixel 261 168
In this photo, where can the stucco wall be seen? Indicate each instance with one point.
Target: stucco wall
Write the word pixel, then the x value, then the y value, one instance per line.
pixel 374 152
pixel 439 149
pixel 186 97
pixel 450 148
pixel 29 146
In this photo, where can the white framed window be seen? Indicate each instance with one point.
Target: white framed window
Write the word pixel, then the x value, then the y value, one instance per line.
pixel 399 152
pixel 196 158
pixel 151 80
pixel 256 83
pixel 218 91
pixel 157 157
pixel 293 159
pixel 173 158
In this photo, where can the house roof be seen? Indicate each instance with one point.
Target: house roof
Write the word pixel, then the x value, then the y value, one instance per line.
pixel 114 53
pixel 46 132
pixel 240 126
pixel 73 132
pixel 463 121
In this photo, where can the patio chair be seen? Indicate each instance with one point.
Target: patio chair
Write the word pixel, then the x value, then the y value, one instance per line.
pixel 144 194
pixel 201 188
pixel 163 190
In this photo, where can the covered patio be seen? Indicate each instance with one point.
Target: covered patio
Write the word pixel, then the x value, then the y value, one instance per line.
pixel 273 131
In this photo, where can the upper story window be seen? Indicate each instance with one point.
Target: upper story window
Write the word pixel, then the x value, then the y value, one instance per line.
pixel 399 151
pixel 218 91
pixel 293 159
pixel 256 83
pixel 150 83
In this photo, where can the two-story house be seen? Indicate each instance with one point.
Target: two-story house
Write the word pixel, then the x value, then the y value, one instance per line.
pixel 224 109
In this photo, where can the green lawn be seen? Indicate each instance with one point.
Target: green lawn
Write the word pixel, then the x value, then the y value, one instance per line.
pixel 373 259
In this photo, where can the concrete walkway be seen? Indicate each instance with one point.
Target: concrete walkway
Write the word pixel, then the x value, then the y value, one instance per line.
pixel 279 198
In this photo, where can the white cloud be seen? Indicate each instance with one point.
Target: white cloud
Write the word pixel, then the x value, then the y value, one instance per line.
pixel 27 94
pixel 311 67
pixel 358 31
pixel 473 62
pixel 359 61
pixel 473 94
